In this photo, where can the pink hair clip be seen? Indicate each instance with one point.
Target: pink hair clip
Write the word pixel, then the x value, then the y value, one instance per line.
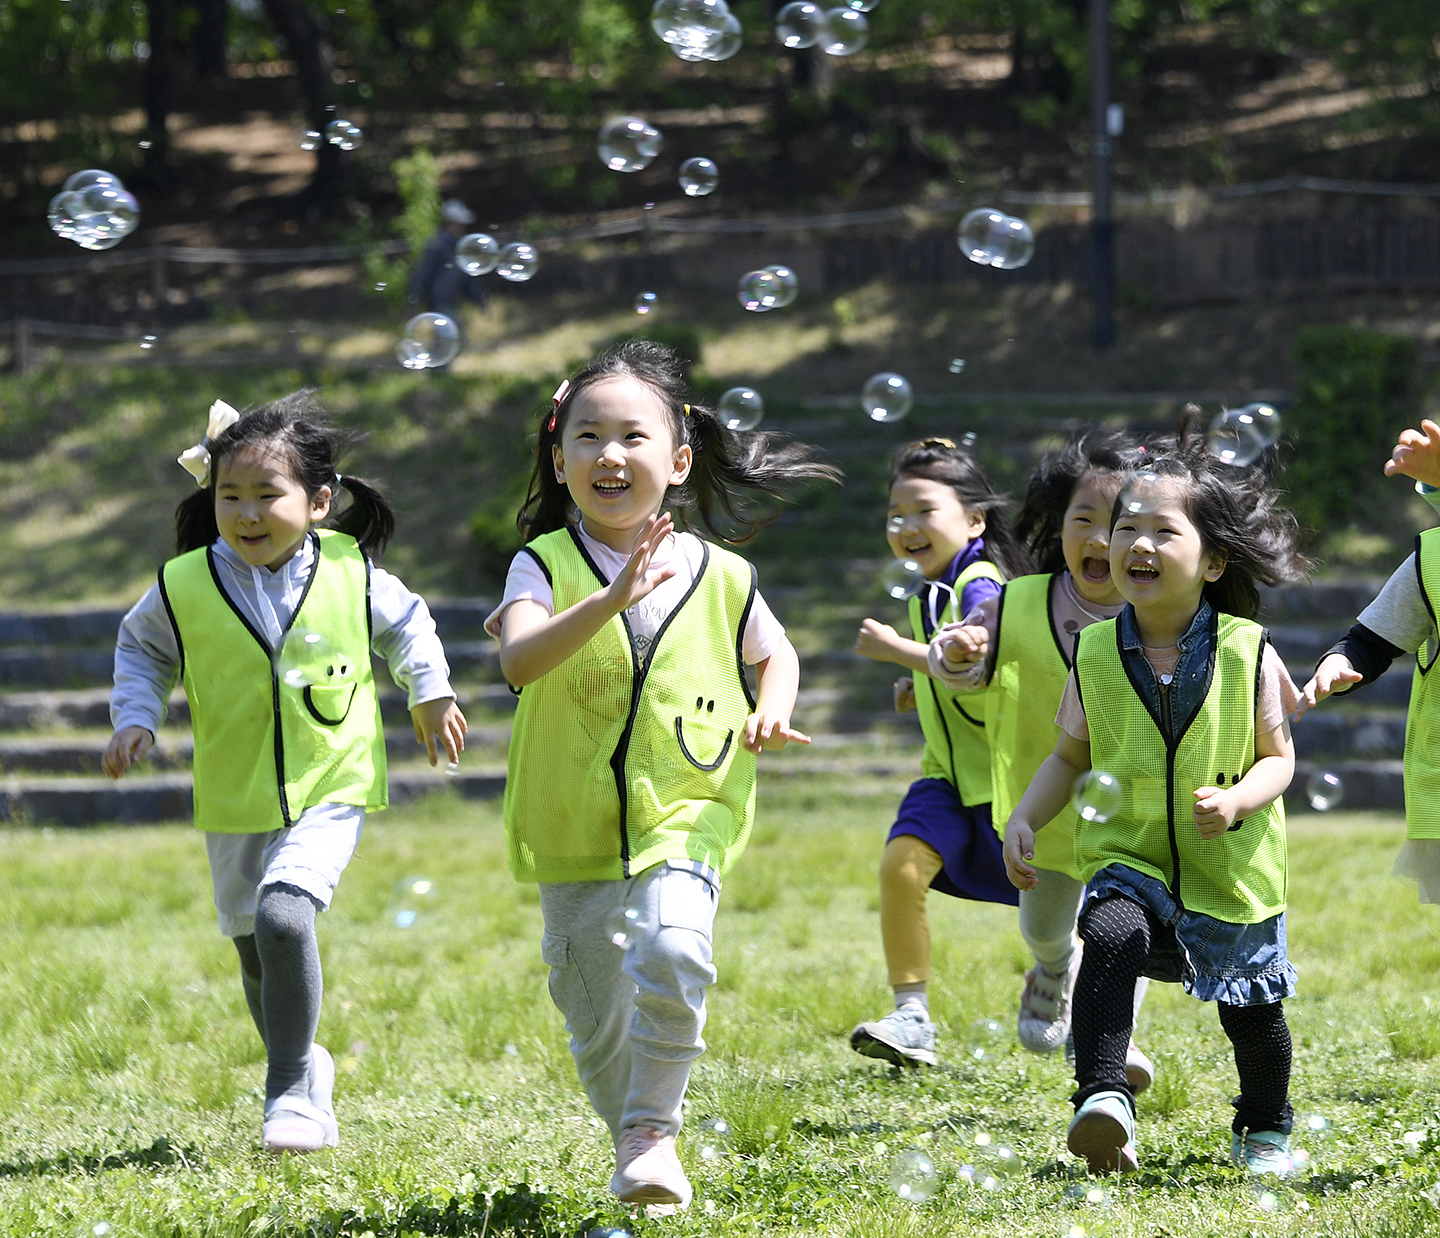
pixel 560 393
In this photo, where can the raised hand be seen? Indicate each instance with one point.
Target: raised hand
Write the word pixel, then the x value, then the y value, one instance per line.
pixel 636 580
pixel 1333 674
pixel 876 640
pixel 1417 454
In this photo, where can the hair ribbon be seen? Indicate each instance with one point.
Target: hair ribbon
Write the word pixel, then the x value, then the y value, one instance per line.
pixel 196 460
pixel 560 393
pixel 687 410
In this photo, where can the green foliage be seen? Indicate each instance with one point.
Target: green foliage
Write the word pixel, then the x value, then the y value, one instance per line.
pixel 417 179
pixel 1356 391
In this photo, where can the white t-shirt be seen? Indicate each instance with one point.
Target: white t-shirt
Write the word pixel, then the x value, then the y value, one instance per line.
pixel 683 551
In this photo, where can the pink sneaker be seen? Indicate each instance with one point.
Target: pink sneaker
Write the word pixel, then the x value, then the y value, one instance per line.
pixel 647 1171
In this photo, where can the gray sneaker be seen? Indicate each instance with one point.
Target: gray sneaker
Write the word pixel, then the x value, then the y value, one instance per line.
pixel 904 1037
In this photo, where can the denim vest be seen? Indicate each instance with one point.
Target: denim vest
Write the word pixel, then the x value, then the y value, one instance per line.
pixel 1190 679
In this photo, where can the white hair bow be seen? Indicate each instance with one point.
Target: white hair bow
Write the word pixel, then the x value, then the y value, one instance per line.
pixel 196 460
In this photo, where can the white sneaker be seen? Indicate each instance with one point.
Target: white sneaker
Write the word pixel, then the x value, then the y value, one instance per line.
pixel 1139 1069
pixel 904 1037
pixel 647 1170
pixel 299 1126
pixel 1044 1020
pixel 1103 1132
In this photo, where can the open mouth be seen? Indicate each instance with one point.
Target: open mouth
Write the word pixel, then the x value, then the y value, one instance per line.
pixel 1095 571
pixel 253 539
pixel 916 550
pixel 1142 573
pixel 611 488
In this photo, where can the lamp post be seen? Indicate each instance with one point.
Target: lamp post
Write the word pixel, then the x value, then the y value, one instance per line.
pixel 1102 227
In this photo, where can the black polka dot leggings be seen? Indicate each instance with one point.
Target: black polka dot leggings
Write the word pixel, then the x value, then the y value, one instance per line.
pixel 1117 934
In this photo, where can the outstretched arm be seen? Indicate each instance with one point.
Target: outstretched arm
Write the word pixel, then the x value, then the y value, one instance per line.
pixel 881 643
pixel 1047 794
pixel 779 681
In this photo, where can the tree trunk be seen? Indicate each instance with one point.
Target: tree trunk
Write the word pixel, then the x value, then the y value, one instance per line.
pixel 307 42
pixel 158 72
pixel 211 39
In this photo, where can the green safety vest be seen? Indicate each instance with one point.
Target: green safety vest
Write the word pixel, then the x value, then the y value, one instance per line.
pixel 1239 877
pixel 1032 663
pixel 956 746
pixel 266 751
pixel 1422 723
pixel 617 765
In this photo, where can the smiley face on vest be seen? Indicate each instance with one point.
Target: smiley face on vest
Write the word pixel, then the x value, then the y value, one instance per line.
pixel 329 698
pixel 702 727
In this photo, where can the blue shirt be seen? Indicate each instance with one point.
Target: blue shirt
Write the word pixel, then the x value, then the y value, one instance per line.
pixel 974 592
pixel 1175 703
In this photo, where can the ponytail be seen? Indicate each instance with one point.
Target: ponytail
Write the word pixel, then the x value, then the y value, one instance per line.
pixel 368 517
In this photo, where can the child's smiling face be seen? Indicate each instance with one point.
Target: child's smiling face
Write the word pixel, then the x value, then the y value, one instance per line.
pixel 263 513
pixel 1157 557
pixel 927 522
pixel 1085 538
pixel 618 457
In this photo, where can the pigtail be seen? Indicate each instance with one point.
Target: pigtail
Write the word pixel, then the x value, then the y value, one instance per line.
pixel 368 517
pixel 547 506
pixel 195 520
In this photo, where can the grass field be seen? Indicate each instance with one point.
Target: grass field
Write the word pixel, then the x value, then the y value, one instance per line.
pixel 130 1091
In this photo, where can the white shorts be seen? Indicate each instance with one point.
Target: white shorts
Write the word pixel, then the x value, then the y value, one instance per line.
pixel 310 856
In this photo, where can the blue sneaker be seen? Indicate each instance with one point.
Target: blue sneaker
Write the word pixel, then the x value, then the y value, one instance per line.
pixel 1262 1152
pixel 1103 1132
pixel 904 1037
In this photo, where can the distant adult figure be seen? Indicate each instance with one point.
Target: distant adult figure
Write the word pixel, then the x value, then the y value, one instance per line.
pixel 438 283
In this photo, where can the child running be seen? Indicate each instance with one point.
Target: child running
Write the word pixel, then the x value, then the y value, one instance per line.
pixel 1401 620
pixel 1020 643
pixel 631 781
pixel 1184 701
pixel 285 771
pixel 945 516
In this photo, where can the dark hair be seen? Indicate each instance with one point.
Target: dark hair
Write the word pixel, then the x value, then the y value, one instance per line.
pixel 725 461
pixel 292 429
pixel 1237 513
pixel 938 459
pixel 1053 484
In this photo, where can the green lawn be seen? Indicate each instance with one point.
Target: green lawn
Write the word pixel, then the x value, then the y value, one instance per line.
pixel 130 1088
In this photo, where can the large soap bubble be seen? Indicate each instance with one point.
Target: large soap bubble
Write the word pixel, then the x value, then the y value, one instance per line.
pixel 699 176
pixel 628 144
pixel 309 660
pixel 759 291
pixel 93 209
pixel 729 41
pixel 477 253
pixel 788 283
pixel 995 239
pixel 1097 796
pixel 843 31
pixel 741 408
pixel 430 341
pixel 342 133
pixel 799 24
pixel 886 397
pixel 518 262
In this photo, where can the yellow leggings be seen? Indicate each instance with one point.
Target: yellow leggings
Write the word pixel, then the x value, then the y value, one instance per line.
pixel 906 870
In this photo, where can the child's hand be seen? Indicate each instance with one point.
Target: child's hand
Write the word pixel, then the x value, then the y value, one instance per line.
pixel 636 579
pixel 440 724
pixel 128 745
pixel 962 646
pixel 1019 850
pixel 771 733
pixel 904 695
pixel 1214 811
pixel 1417 454
pixel 1333 673
pixel 876 640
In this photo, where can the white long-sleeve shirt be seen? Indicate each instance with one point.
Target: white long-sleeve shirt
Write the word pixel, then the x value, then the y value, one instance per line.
pixel 147 655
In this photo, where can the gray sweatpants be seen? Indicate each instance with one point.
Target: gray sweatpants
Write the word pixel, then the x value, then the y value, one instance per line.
pixel 635 1013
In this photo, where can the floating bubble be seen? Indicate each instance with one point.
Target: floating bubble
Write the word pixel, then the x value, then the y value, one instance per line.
pixel 895 524
pixel 689 26
pixel 78 181
pixel 1235 438
pixel 1266 420
pixel 886 397
pixel 902 579
pixel 1316 1125
pixel 477 254
pixel 980 1178
pixel 342 133
pixel 1324 790
pixel 108 210
pixel 983 1039
pixel 1097 796
pixel 1004 1162
pixel 413 902
pixel 956 364
pixel 147 342
pixel 741 408
pixel 863 5
pixel 65 212
pixel 309 659
pixel 995 239
pixel 452 769
pixel 967 440
pixel 758 291
pixel 788 282
pixel 699 176
pixel 1431 1194
pixel 843 31
pixel 623 927
pixel 712 1138
pixel 646 302
pixel 628 144
pixel 518 262
pixel 799 25
pixel 429 341
pixel 1270 1197
pixel 913 1177
pixel 727 42
pixel 90 240
pixel 607 1231
pixel 311 139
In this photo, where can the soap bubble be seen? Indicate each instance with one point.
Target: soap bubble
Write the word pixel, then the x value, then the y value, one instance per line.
pixel 788 282
pixel 412 902
pixel 699 176
pixel 741 408
pixel 78 181
pixel 628 144
pixel 1315 1125
pixel 983 1039
pixel 1324 790
pixel 147 342
pixel 1235 438
pixel 309 659
pixel 477 254
pixel 843 31
pixel 798 25
pixel 995 239
pixel 956 364
pixel 623 927
pixel 1270 1196
pixel 1266 420
pixel 429 341
pixel 863 5
pixel 518 262
pixel 689 26
pixel 310 139
pixel 712 1138
pixel 342 133
pixel 452 769
pixel 93 240
pixel 1431 1194
pixel 759 291
pixel 65 213
pixel 1097 796
pixel 902 579
pixel 108 210
pixel 886 397
pixel 1004 1162
pixel 913 1177
pixel 727 42
pixel 646 302
pixel 981 1178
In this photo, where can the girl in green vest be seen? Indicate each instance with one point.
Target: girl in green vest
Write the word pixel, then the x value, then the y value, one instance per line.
pixel 1182 703
pixel 631 782
pixel 270 624
pixel 945 516
pixel 1020 645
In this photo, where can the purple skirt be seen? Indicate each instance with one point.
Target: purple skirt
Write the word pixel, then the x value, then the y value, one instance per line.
pixel 963 837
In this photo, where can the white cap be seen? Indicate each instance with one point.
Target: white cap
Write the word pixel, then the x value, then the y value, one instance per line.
pixel 454 211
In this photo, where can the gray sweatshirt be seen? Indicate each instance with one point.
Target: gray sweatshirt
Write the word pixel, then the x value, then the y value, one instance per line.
pixel 147 657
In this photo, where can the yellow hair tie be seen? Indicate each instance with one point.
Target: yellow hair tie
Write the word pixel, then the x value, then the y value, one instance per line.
pixel 687 410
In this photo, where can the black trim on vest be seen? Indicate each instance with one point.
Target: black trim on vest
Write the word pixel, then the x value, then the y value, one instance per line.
pixel 925 684
pixel 740 639
pixel 170 613
pixel 369 614
pixel 1424 597
pixel 541 564
pixel 700 765
pixel 993 657
pixel 1050 623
